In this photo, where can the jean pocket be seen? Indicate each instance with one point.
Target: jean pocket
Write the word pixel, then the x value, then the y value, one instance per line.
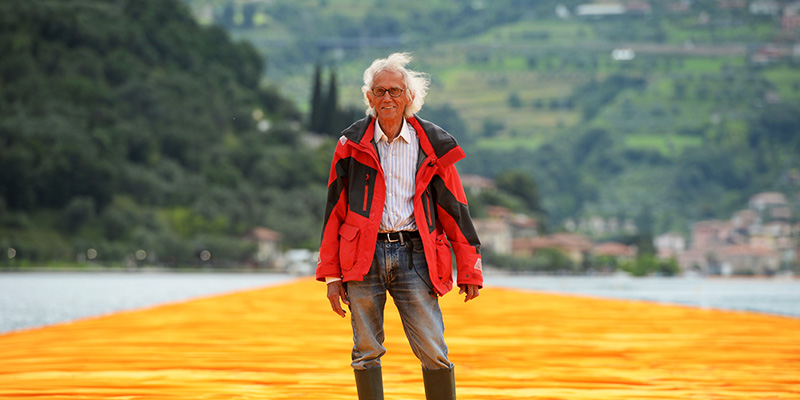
pixel 416 245
pixel 420 265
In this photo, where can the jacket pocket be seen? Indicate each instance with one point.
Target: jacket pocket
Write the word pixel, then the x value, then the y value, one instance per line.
pixel 444 258
pixel 348 244
pixel 361 189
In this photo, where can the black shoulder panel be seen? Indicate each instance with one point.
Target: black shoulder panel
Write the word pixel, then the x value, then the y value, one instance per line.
pixel 441 141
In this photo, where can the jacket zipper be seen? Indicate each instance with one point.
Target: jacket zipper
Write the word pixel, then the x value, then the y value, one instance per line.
pixel 429 206
pixel 366 192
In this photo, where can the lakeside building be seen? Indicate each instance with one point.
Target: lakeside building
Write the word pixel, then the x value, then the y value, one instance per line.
pixel 269 244
pixel 495 235
pixel 620 251
pixel 576 247
pixel 669 245
pixel 759 240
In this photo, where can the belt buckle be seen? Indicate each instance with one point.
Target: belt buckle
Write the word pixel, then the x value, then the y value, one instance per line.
pixel 389 237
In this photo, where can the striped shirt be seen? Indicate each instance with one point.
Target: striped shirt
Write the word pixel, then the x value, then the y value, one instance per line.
pixel 399 162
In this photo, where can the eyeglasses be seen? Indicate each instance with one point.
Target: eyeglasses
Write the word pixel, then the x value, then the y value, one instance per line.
pixel 394 92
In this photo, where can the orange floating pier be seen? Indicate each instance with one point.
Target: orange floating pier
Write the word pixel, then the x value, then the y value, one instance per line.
pixel 283 342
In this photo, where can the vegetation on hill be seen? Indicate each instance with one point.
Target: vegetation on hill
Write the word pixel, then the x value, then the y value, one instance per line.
pixel 679 129
pixel 130 134
pixel 126 126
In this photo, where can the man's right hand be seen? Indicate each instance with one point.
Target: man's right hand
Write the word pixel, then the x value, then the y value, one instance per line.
pixel 335 292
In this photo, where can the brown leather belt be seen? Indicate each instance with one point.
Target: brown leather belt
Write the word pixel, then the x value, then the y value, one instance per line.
pixel 400 236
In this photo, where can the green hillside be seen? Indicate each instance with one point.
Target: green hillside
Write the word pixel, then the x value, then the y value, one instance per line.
pixel 126 126
pixel 684 128
pixel 174 127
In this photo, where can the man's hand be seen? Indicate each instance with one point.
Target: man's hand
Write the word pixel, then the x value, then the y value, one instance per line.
pixel 335 292
pixel 472 291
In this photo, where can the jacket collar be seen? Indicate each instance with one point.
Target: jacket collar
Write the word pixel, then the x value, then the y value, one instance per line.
pixel 405 133
pixel 437 144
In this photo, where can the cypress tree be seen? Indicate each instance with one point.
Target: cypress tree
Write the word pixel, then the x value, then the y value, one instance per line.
pixel 315 123
pixel 331 108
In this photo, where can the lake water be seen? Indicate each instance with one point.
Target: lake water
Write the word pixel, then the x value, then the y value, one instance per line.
pixel 767 295
pixel 29 300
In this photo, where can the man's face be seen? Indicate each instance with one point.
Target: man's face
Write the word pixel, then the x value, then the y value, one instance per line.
pixel 386 106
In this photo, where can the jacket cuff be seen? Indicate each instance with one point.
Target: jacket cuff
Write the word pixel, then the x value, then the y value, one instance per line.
pixel 326 271
pixel 472 275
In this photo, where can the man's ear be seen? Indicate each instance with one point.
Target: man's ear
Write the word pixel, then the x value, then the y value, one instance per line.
pixel 370 100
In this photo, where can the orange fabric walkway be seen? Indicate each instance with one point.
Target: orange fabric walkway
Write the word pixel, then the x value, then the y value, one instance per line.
pixel 283 342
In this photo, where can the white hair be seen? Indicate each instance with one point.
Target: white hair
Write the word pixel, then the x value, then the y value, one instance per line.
pixel 416 82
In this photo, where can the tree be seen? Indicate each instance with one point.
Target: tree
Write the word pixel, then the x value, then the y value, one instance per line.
pixel 331 123
pixel 317 101
pixel 449 119
pixel 113 114
pixel 514 100
pixel 492 127
pixel 520 184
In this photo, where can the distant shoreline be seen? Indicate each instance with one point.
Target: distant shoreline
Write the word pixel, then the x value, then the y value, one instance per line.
pixel 148 269
pixel 249 270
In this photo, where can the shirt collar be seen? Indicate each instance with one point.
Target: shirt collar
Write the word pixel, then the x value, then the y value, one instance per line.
pixel 405 134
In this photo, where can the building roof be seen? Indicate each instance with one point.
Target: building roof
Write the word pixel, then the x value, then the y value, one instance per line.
pixel 747 251
pixel 266 235
pixel 540 242
pixel 744 218
pixel 781 212
pixel 614 249
pixel 711 225
pixel 477 182
pixel 638 7
pixel 498 212
pixel 671 235
pixel 564 241
pixel 679 6
pixel 523 221
pixel 484 225
pixel 746 214
pixel 768 199
pixel 572 241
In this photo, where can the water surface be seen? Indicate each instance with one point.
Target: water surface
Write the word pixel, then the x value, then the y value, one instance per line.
pixel 29 300
pixel 768 295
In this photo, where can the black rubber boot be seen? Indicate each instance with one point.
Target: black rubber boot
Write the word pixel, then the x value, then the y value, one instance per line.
pixel 369 383
pixel 440 384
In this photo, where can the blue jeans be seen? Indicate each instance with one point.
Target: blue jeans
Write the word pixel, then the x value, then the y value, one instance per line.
pixel 409 285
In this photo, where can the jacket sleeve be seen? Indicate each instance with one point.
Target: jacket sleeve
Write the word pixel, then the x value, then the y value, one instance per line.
pixel 335 211
pixel 453 215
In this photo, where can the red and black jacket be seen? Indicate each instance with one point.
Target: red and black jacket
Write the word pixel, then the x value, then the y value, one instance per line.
pixel 356 196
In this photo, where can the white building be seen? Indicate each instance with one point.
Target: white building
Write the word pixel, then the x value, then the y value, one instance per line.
pixel 765 7
pixel 600 10
pixel 669 245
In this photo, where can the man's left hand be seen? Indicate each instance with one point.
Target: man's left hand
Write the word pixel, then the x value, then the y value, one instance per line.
pixel 472 291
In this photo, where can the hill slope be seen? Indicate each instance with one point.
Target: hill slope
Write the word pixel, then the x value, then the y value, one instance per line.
pixel 688 128
pixel 125 126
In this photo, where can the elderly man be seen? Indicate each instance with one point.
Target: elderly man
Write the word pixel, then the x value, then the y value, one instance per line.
pixel 395 209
